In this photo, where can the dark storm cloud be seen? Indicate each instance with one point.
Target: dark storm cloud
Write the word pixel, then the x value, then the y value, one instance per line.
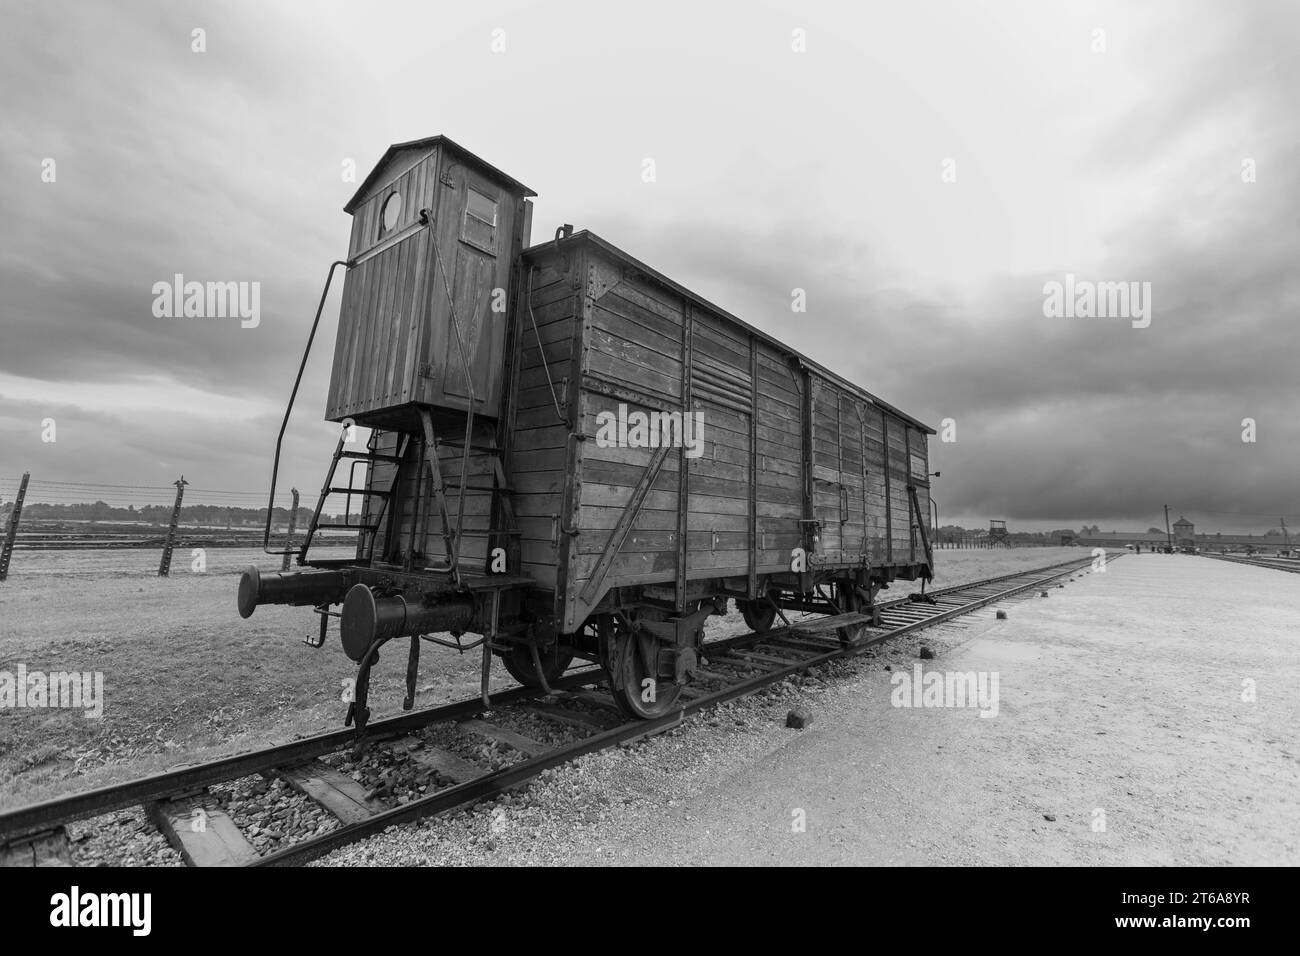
pixel 148 187
pixel 1062 418
pixel 152 449
pixel 1056 418
pixel 225 167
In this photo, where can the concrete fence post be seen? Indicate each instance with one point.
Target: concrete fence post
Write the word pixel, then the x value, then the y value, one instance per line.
pixel 293 524
pixel 165 566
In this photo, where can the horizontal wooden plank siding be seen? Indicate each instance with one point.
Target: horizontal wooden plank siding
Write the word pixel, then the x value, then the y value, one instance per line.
pixel 779 471
pixel 642 361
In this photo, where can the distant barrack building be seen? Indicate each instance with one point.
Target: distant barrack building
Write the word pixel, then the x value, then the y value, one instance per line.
pixel 1184 536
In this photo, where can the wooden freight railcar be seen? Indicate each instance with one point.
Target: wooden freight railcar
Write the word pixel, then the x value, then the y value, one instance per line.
pixel 574 456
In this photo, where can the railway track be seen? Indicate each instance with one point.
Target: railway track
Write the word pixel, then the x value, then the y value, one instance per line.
pixel 732 667
pixel 1278 564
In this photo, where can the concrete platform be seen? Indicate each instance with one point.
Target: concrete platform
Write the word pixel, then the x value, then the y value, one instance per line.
pixel 1124 712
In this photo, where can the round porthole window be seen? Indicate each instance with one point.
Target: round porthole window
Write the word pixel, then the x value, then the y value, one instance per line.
pixel 389 215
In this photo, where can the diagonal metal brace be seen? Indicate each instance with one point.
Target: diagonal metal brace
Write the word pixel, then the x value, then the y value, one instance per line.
pixel 626 520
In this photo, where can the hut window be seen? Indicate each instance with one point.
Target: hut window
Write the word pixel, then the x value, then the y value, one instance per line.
pixel 390 214
pixel 481 208
pixel 480 226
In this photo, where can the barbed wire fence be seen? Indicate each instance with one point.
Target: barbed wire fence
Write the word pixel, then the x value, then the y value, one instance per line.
pixel 73 518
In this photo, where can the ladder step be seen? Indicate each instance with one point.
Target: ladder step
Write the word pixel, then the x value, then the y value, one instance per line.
pixel 485 449
pixel 360 491
pixel 472 533
pixel 349 527
pixel 457 484
pixel 368 456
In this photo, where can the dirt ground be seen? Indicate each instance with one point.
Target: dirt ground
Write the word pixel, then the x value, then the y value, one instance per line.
pixel 1147 715
pixel 186 679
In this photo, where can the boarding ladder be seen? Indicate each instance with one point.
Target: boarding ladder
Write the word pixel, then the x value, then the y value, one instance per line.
pixel 370 519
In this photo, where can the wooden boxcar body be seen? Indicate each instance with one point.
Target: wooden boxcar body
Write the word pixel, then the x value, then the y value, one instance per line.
pixel 573 455
pixel 782 454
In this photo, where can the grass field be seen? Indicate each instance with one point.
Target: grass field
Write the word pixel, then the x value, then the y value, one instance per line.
pixel 186 679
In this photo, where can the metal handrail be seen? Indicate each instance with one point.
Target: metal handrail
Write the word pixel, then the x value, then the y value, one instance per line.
pixel 279 441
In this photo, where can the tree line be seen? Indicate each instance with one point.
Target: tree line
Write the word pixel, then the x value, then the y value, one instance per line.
pixel 100 511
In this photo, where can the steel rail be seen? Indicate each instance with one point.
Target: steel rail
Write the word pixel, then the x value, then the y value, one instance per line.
pixel 1277 564
pixel 498 781
pixel 37 817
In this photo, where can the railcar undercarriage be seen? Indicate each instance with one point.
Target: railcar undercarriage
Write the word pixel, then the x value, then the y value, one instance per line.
pixel 648 649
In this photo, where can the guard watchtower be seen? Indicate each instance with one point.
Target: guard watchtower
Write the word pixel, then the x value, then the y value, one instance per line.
pixel 998 534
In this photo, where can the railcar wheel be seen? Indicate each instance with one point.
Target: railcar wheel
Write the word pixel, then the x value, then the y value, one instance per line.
pixel 759 615
pixel 519 663
pixel 630 664
pixel 855 604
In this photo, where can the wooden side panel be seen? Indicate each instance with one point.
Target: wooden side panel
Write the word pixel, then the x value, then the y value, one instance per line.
pixel 899 505
pixel 470 270
pixel 853 521
pixel 384 300
pixel 631 387
pixel 650 360
pixel 539 458
pixel 404 526
pixel 779 466
pixel 719 484
pixel 410 173
pixel 610 476
pixel 873 453
pixel 829 503
pixel 396 342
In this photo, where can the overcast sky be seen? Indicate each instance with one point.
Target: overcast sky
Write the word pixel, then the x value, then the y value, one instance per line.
pixel 1113 156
